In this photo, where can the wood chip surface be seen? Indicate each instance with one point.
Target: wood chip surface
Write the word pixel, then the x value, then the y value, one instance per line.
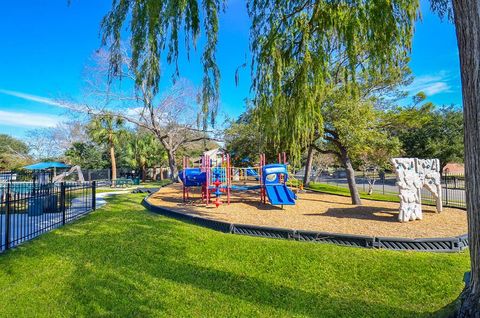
pixel 318 212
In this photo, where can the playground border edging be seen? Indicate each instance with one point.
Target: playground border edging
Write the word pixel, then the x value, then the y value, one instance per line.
pixel 444 244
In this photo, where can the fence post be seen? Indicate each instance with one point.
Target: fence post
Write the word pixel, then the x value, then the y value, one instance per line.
pixel 446 190
pixel 62 201
pixel 94 199
pixel 383 183
pixel 7 218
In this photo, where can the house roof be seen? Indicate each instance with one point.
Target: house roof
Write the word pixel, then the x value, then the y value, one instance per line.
pixel 454 167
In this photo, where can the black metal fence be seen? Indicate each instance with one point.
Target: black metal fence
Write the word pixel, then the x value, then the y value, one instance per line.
pixel 16 175
pixel 28 209
pixel 453 191
pixel 102 176
pixel 453 186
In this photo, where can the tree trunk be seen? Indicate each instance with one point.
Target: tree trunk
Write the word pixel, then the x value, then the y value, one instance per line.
pixel 352 184
pixel 144 173
pixel 317 175
pixel 467 23
pixel 308 166
pixel 172 165
pixel 371 184
pixel 113 162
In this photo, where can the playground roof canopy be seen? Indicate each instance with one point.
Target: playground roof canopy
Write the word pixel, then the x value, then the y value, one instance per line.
pixel 46 165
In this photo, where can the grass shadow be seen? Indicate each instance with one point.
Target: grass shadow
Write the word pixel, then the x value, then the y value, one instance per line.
pixel 124 261
pixel 363 213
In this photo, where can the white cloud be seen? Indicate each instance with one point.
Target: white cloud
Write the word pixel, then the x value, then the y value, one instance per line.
pixel 430 84
pixel 33 98
pixel 435 88
pixel 134 111
pixel 47 101
pixel 33 120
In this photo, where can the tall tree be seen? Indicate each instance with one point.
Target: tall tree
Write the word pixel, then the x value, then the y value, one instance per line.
pixel 14 153
pixel 353 130
pixel 467 24
pixel 173 117
pixel 107 129
pixel 155 26
pixel 243 140
pixel 316 64
pixel 86 155
pixel 52 142
pixel 295 45
pixel 144 151
pixel 441 136
pixel 349 115
pixel 309 165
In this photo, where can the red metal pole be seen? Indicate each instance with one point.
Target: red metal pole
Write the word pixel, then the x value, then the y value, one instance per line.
pixel 264 191
pixel 284 157
pixel 202 168
pixel 208 178
pixel 262 186
pixel 183 183
pixel 260 176
pixel 228 179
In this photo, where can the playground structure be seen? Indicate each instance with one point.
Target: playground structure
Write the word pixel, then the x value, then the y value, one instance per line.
pixel 317 216
pixel 63 175
pixel 216 178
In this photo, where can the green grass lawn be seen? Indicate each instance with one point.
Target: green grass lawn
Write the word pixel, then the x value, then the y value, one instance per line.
pixel 333 189
pixel 123 261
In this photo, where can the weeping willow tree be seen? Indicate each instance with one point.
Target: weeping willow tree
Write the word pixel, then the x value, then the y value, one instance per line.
pixel 314 60
pixel 295 45
pixel 155 27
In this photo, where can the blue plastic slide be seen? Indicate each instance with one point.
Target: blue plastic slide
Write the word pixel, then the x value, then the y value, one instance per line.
pixel 252 172
pixel 291 194
pixel 280 194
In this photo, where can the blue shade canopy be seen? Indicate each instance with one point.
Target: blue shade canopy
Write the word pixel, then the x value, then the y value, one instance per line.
pixel 46 165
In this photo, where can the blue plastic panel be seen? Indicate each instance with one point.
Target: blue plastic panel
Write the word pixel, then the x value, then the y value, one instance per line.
pixel 279 195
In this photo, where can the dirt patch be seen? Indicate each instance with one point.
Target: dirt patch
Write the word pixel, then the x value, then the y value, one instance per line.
pixel 319 212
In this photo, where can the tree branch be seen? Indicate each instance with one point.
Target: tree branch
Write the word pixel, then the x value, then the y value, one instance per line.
pixel 326 151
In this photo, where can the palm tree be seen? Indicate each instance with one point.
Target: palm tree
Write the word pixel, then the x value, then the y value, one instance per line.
pixel 144 151
pixel 107 129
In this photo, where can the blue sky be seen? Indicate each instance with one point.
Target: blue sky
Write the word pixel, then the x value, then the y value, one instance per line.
pixel 46 44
